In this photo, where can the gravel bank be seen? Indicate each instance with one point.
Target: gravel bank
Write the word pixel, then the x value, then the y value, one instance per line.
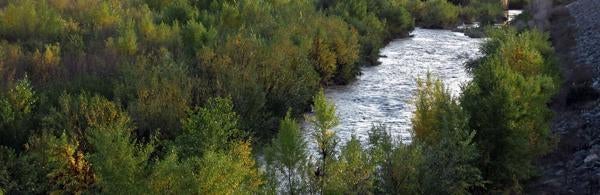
pixel 573 167
pixel 587 19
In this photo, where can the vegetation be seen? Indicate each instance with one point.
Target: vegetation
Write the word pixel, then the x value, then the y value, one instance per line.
pixel 170 96
pixel 439 14
pixel 507 102
pixel 449 151
pixel 486 12
pixel 287 157
pixel 157 96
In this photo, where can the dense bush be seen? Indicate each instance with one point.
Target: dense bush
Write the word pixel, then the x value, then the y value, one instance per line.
pixel 507 102
pixel 439 14
pixel 485 12
pixel 449 151
pixel 375 22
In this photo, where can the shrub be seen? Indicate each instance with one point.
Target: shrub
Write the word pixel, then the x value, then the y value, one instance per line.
pixel 157 94
pixel 439 14
pixel 398 165
pixel 211 128
pixel 76 114
pixel 489 13
pixel 449 152
pixel 353 171
pixel 231 172
pixel 325 59
pixel 507 102
pixel 399 21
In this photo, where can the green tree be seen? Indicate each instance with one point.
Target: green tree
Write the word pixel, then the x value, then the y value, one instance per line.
pixel 8 162
pixel 70 171
pixel 172 176
pixel 439 14
pixel 76 114
pixel 399 21
pixel 16 114
pixel 324 120
pixel 507 102
pixel 118 160
pixel 399 164
pixel 449 152
pixel 195 35
pixel 46 65
pixel 127 41
pixel 353 172
pixel 156 91
pixel 179 10
pixel 211 128
pixel 229 172
pixel 325 59
pixel 287 154
pixel 29 19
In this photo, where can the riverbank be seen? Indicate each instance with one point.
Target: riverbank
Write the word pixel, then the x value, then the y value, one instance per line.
pixel 574 165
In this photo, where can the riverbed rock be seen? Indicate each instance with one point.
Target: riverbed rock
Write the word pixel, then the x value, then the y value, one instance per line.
pixel 590 158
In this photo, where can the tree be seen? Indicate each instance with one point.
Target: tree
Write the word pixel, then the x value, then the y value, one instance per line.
pixel 325 60
pixel 449 152
pixel 353 172
pixel 398 164
pixel 179 10
pixel 127 41
pixel 195 36
pixel 507 102
pixel 118 160
pixel 16 114
pixel 46 65
pixel 172 176
pixel 229 172
pixel 70 171
pixel 31 20
pixel 8 162
pixel 211 128
pixel 156 91
pixel 399 21
pixel 324 120
pixel 439 14
pixel 76 115
pixel 287 153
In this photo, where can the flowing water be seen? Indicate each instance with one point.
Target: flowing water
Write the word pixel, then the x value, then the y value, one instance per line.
pixel 384 94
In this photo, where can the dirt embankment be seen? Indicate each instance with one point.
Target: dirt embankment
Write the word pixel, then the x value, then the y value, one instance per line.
pixel 574 166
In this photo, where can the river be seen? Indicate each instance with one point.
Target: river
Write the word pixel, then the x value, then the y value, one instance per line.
pixel 384 94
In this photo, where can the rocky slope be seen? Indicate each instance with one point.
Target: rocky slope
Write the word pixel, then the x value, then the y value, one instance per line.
pixel 587 21
pixel 574 166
